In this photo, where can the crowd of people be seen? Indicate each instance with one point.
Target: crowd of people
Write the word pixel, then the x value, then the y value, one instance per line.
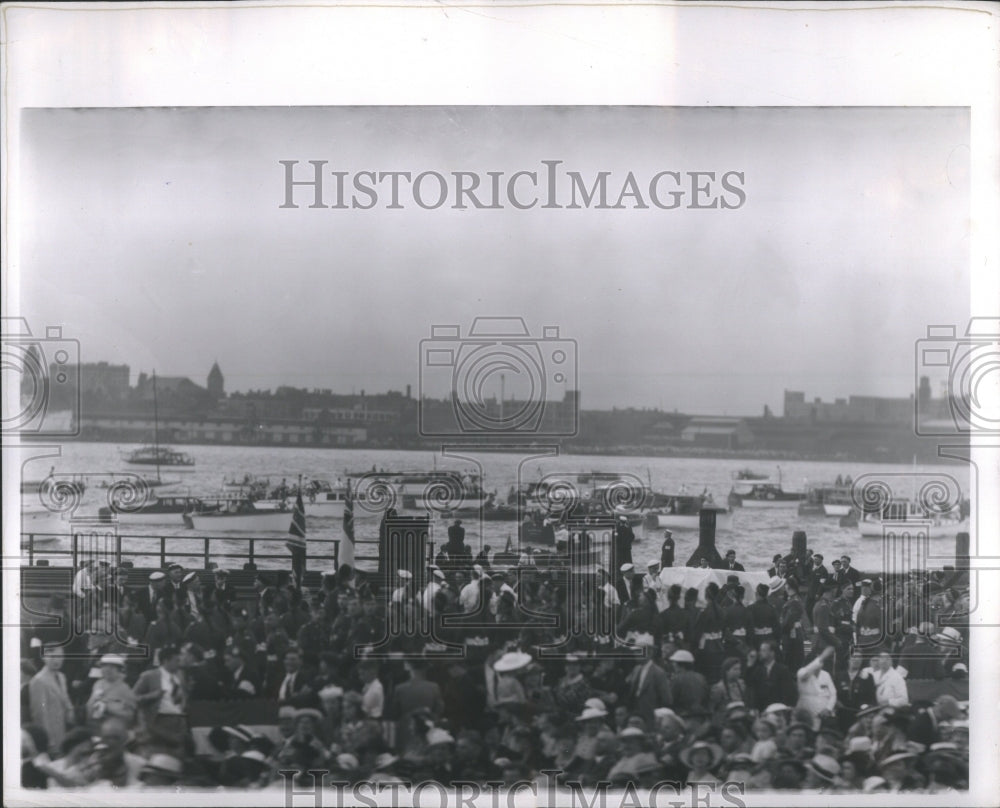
pixel 474 671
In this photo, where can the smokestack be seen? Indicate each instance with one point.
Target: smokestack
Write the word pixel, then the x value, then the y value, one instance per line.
pixel 706 541
pixel 799 543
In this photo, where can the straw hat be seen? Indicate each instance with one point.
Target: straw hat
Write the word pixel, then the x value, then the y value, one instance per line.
pixel 776 584
pixel 824 766
pixel 385 760
pixel 512 661
pixel 591 712
pixel 438 736
pixel 874 783
pixel 714 749
pixel 113 659
pixel 681 655
pixel 631 732
pixel 899 757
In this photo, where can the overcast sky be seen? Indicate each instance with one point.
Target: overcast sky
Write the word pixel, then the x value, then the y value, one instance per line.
pixel 155 237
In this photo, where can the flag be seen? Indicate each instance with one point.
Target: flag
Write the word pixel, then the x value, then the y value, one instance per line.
pixel 346 554
pixel 297 544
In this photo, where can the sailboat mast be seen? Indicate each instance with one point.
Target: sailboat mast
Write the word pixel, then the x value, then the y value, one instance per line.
pixel 156 430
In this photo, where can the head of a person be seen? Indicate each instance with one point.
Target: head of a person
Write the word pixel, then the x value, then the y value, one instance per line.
pixel 286 720
pixel 730 556
pixel 730 738
pixel 797 737
pixel 766 652
pixel 170 658
pixel 845 562
pixel 191 655
pixel 849 591
pixel 763 730
pixel 293 660
pixel 946 708
pixel 112 671
pixel 883 661
pixel 700 759
pixel 113 736
pixel 52 656
pixel 176 573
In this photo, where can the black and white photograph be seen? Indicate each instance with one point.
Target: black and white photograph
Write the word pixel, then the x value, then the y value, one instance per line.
pixel 473 404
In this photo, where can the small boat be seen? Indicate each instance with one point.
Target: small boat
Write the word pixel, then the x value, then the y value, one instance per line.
pixel 898 515
pixel 753 491
pixel 156 511
pixel 826 499
pixel 684 513
pixel 237 514
pixel 319 497
pixel 438 490
pixel 159 456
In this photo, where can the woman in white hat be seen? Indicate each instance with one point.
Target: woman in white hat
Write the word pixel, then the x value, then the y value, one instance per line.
pixel 506 685
pixel 702 758
pixel 592 726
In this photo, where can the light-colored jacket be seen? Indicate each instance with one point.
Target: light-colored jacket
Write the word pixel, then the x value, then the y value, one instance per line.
pixel 50 705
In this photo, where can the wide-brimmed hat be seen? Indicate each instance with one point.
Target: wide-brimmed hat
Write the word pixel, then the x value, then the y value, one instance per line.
pixel 949 635
pixel 512 661
pixel 714 749
pixel 164 765
pixel 776 584
pixel 868 709
pixel 859 743
pixel 112 659
pixel 631 732
pixel 898 757
pixel 384 760
pixel 189 577
pixel 347 762
pixel 666 714
pixel 437 736
pixel 824 766
pixel 874 783
pixel 776 707
pixel 308 712
pixel 591 712
pixel 946 750
pixel 682 655
pixel 157 576
pixel 404 575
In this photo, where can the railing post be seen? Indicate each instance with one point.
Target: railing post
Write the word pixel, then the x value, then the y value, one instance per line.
pixel 336 554
pixel 163 552
pixel 206 552
pixel 251 554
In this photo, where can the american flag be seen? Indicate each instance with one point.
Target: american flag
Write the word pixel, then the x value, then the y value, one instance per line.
pixel 298 527
pixel 346 554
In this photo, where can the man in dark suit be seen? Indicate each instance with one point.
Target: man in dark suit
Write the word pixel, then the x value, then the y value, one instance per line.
pixel 296 685
pixel 240 681
pixel 769 680
pixel 817 579
pixel 848 571
pixel 731 563
pixel 221 592
pixel 146 599
pixel 649 688
pixel 667 550
pixel 162 696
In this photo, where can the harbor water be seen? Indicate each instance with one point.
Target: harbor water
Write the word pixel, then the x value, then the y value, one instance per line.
pixel 756 533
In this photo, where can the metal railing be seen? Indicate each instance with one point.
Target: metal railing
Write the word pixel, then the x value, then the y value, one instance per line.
pixel 112 546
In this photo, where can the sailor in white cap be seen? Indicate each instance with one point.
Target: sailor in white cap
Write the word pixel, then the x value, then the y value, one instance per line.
pixel 192 586
pixel 611 599
pixel 405 588
pixel 111 695
pixel 435 582
pixel 627 571
pixel 471 595
pixel 651 581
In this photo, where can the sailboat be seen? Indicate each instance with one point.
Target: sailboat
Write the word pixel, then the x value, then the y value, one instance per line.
pixel 157 455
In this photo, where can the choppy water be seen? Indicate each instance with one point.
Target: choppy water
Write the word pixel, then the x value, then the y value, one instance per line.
pixel 756 534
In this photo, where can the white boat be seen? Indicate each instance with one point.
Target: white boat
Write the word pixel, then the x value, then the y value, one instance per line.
pixel 755 491
pixel 836 508
pixel 165 510
pixel 319 498
pixel 898 517
pixel 238 515
pixel 438 490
